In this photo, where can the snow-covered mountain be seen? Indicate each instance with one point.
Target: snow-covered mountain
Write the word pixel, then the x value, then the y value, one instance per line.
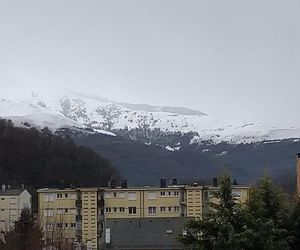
pixel 74 110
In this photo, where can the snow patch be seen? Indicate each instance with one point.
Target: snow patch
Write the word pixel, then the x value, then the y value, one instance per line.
pixel 223 153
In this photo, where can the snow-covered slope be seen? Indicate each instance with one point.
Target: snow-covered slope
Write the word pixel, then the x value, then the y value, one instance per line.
pixel 77 110
pixel 26 113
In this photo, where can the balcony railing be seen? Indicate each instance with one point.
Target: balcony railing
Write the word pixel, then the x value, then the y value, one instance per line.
pixel 78 203
pixel 78 217
pixel 100 203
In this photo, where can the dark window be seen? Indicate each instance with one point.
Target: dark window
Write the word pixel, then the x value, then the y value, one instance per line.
pixel 132 210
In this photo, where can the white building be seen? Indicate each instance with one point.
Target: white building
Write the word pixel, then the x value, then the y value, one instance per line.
pixel 12 201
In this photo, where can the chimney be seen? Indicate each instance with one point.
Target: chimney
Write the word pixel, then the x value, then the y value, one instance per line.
pixel 215 182
pixel 163 183
pixel 3 187
pixel 174 182
pixel 298 174
pixel 112 183
pixel 124 184
pixel 23 186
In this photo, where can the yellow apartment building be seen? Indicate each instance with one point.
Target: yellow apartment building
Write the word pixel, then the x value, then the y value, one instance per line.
pixel 198 198
pixel 240 193
pixel 146 202
pixel 194 201
pixel 80 215
pixel 57 213
pixel 89 213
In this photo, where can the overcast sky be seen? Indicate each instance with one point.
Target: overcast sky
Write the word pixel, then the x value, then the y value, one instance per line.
pixel 226 58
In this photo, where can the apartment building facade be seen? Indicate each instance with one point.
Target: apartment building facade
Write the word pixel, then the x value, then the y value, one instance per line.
pixel 58 214
pixel 146 202
pixel 12 202
pixel 90 208
pixel 83 215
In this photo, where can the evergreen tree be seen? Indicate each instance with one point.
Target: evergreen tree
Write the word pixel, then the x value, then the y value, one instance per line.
pixel 223 227
pixel 268 207
pixel 26 234
pixel 259 225
pixel 294 225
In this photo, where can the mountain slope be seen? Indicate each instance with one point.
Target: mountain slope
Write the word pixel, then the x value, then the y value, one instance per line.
pixel 82 111
pixel 146 142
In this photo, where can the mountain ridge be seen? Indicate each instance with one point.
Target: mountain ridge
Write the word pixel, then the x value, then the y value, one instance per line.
pixel 100 114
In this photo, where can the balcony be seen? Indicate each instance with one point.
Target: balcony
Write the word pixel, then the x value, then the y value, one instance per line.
pixel 78 218
pixel 78 203
pixel 182 201
pixel 100 203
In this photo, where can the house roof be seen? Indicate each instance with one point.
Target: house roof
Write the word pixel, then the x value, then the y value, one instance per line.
pixel 11 192
pixel 146 233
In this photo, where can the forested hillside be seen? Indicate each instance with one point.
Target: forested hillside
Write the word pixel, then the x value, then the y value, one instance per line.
pixel 39 158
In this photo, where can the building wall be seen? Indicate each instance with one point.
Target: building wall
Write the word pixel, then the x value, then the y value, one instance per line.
pixel 89 197
pixel 24 200
pixel 11 207
pixel 143 203
pixel 93 206
pixel 8 212
pixel 241 194
pixel 194 201
pixel 57 213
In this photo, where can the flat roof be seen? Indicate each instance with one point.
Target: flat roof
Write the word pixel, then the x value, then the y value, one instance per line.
pixel 49 190
pixel 144 188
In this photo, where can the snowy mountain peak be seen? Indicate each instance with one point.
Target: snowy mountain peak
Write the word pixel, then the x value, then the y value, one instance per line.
pixel 84 111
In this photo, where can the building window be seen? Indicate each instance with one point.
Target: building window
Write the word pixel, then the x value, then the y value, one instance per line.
pixel 48 212
pixel 107 195
pixel 2 199
pixel 66 196
pixel 176 209
pixel 151 195
pixel 176 193
pixel 49 197
pixel 122 209
pixel 59 225
pixel 66 225
pixel 163 193
pixel 73 210
pixel 115 194
pixel 66 210
pixel 73 225
pixel 151 210
pixel 59 196
pixel 170 193
pixel 108 210
pixel 115 209
pixel 132 196
pixel 163 209
pixel 237 194
pixel 12 200
pixel 169 209
pixel 73 196
pixel 132 210
pixel 49 226
pixel 212 194
pixel 121 195
pixel 60 211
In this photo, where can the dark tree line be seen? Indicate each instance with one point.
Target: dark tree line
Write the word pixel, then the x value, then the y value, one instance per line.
pixel 40 159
